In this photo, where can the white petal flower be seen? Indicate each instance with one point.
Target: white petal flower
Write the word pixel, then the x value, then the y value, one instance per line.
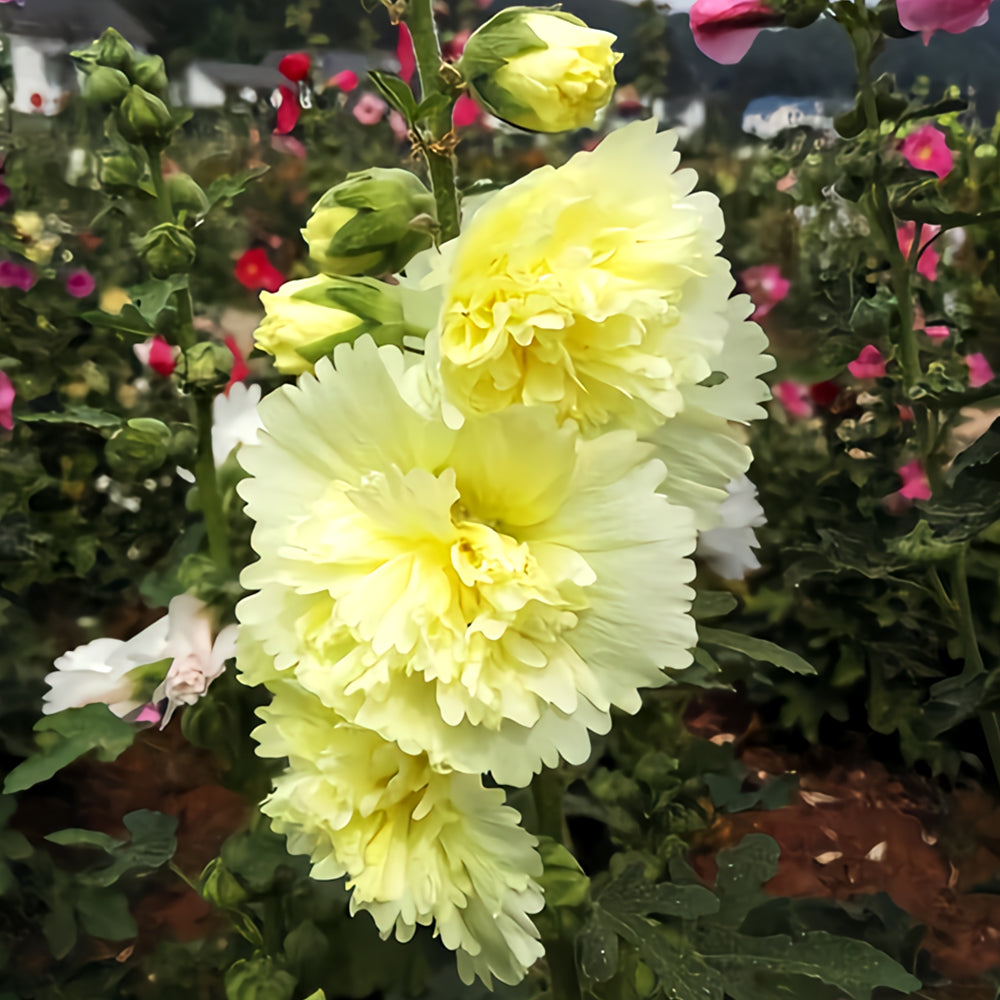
pixel 484 595
pixel 418 846
pixel 235 420
pixel 728 549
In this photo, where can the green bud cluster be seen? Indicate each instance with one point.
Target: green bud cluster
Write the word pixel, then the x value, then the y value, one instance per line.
pixel 166 249
pixel 135 85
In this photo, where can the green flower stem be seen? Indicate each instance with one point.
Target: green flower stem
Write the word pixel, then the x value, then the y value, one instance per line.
pixel 901 269
pixel 440 161
pixel 974 666
pixel 560 956
pixel 210 497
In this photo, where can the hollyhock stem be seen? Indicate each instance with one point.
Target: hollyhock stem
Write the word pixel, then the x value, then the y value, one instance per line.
pixel 440 159
pixel 210 497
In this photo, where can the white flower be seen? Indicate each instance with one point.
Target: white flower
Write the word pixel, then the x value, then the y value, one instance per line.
pixel 173 658
pixel 728 549
pixel 235 420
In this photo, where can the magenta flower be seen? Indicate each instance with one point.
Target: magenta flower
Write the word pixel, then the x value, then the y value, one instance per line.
pixel 80 283
pixel 980 372
pixel 953 16
pixel 765 286
pixel 870 363
pixel 466 112
pixel 346 80
pixel 370 110
pixel 16 276
pixel 937 332
pixel 794 397
pixel 158 354
pixel 926 149
pixel 4 194
pixel 927 263
pixel 725 29
pixel 915 483
pixel 7 394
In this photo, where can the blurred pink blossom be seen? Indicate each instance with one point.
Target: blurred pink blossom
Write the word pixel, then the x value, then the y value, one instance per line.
pixel 7 394
pixel 158 354
pixel 953 16
pixel 405 53
pixel 765 286
pixel 4 194
pixel 80 283
pixel 16 276
pixel 346 80
pixel 980 372
pixel 465 112
pixel 927 149
pixel 870 363
pixel 937 332
pixel 915 484
pixel 794 397
pixel 927 263
pixel 724 30
pixel 398 125
pixel 370 109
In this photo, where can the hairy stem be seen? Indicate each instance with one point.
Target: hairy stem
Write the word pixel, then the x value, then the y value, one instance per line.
pixel 440 158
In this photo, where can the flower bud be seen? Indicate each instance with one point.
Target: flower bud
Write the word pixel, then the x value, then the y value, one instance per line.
pixel 117 171
pixel 543 70
pixel 219 886
pixel 104 85
pixel 187 195
pixel 143 117
pixel 149 73
pixel 304 320
pixel 205 365
pixel 371 223
pixel 113 50
pixel 259 978
pixel 138 448
pixel 167 249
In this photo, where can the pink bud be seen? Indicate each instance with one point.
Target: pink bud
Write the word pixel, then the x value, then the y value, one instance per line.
pixel 915 483
pixel 870 363
pixel 980 372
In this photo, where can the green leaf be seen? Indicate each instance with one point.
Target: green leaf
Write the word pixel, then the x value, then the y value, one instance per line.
pixel 397 93
pixel 598 947
pixel 152 297
pixel 152 844
pixel 67 735
pixel 756 649
pixel 105 914
pixel 230 185
pixel 713 604
pixel 59 928
pixel 431 106
pixel 74 837
pixel 129 321
pixel 854 967
pixel 88 415
pixel 742 870
pixel 631 893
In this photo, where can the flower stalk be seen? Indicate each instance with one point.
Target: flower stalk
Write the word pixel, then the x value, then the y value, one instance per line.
pixel 439 149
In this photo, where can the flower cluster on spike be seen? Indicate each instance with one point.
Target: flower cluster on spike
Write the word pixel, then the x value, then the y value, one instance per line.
pixel 468 556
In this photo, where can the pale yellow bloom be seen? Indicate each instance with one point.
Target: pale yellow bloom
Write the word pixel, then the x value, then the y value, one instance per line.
pixel 543 70
pixel 485 594
pixel 417 846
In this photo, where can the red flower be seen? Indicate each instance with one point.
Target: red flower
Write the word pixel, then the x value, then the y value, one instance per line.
pixel 405 54
pixel 288 111
pixel 346 80
pixel 239 370
pixel 295 66
pixel 465 112
pixel 254 271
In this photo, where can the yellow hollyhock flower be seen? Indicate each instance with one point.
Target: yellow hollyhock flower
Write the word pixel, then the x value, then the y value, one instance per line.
pixel 597 288
pixel 482 594
pixel 417 846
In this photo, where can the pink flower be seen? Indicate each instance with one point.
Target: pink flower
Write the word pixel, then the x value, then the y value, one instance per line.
pixel 254 271
pixel 927 263
pixel 937 332
pixel 346 80
pixel 725 29
pixel 926 149
pixel 980 372
pixel 405 54
pixel 466 112
pixel 149 713
pixel 4 194
pixel 16 276
pixel 7 394
pixel 80 283
pixel 870 363
pixel 370 109
pixel 158 354
pixel 398 125
pixel 915 483
pixel 794 397
pixel 765 286
pixel 953 16
pixel 239 370
pixel 453 49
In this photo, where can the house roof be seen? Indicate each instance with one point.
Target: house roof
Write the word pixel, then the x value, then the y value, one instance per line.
pixel 75 21
pixel 231 74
